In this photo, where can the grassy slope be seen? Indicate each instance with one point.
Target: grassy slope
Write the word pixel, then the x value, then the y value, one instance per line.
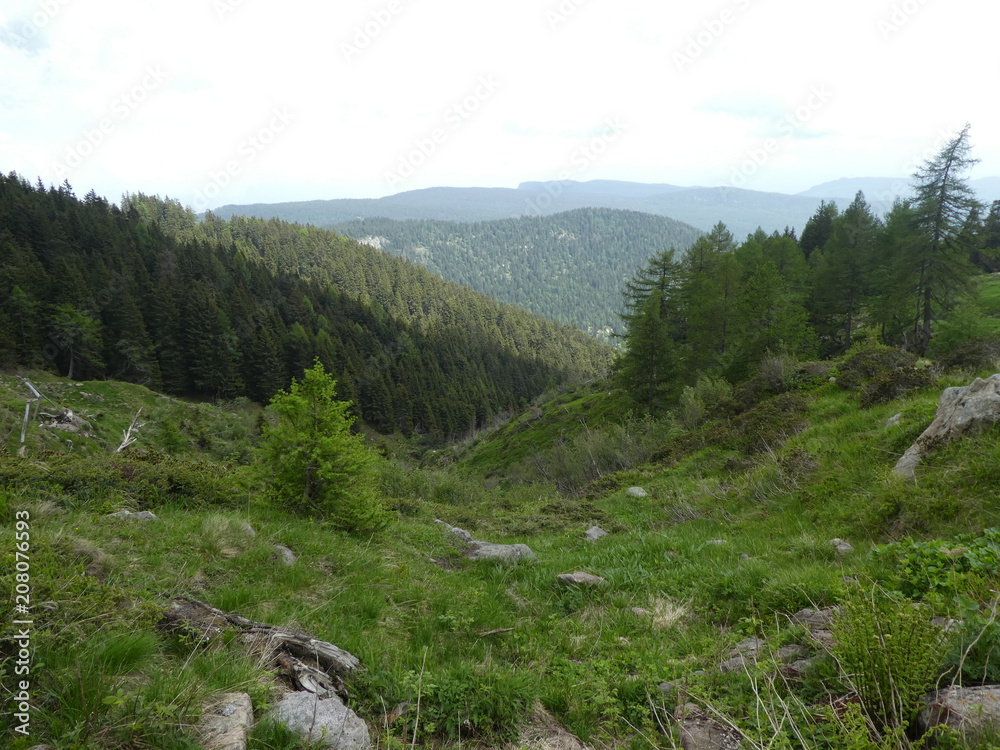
pixel 416 611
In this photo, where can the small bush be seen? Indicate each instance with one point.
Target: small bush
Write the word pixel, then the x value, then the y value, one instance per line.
pixel 892 384
pixel 867 362
pixel 709 398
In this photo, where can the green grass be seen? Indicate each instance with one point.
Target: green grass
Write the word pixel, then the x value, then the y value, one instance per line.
pixel 775 486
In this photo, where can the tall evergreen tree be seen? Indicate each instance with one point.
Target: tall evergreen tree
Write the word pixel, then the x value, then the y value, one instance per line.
pixel 938 259
pixel 819 228
pixel 648 367
pixel 843 273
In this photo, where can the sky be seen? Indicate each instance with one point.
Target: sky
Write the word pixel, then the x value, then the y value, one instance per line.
pixel 214 102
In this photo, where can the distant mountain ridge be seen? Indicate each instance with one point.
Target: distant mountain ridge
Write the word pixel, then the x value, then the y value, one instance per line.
pixel 743 211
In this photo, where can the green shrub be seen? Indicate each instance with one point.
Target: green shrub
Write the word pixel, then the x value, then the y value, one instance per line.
pixel 866 362
pixel 973 354
pixel 709 398
pixel 892 384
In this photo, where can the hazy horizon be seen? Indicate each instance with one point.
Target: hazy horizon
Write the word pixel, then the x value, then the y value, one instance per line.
pixel 218 102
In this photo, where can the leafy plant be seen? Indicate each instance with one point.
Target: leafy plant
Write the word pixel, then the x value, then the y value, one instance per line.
pixel 891 653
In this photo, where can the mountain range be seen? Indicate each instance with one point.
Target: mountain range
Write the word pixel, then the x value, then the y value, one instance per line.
pixel 742 210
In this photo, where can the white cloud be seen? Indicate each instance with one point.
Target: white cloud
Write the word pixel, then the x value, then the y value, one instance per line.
pixel 229 63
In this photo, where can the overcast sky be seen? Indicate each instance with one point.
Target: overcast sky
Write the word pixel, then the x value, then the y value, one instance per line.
pixel 235 101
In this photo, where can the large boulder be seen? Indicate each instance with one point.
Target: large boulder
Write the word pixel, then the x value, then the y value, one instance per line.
pixel 972 711
pixel 326 721
pixel 961 410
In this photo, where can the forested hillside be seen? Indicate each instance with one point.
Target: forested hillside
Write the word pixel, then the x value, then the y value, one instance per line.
pixel 215 309
pixel 570 266
pixel 906 280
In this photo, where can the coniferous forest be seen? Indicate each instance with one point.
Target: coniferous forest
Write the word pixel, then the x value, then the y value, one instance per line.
pixel 569 266
pixel 146 293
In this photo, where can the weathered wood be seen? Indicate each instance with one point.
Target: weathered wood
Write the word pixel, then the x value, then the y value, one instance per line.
pixel 301 645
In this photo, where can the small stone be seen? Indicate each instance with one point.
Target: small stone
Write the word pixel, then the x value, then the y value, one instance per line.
pixel 142 515
pixel 287 556
pixel 462 534
pixel 717 542
pixel 744 556
pixel 788 654
pixel 580 578
pixel 636 492
pixel 504 552
pixel 594 533
pixel 842 547
pixel 894 420
pixel 812 619
pixel 247 529
pixel 225 722
pixel 735 664
pixel 747 646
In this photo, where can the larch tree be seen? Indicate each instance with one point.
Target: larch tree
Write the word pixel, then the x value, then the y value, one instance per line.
pixel 938 259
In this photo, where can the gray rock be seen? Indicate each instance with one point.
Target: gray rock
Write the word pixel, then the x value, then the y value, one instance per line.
pixel 788 654
pixel 717 542
pixel 543 732
pixel 972 711
pixel 324 720
pixel 225 722
pixel 247 529
pixel 594 533
pixel 813 619
pixel 699 731
pixel 636 492
pixel 504 552
pixel 894 420
pixel 962 409
pixel 668 689
pixel 462 534
pixel 747 646
pixel 797 669
pixel 735 664
pixel 744 556
pixel 842 547
pixel 142 515
pixel 287 556
pixel 579 578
